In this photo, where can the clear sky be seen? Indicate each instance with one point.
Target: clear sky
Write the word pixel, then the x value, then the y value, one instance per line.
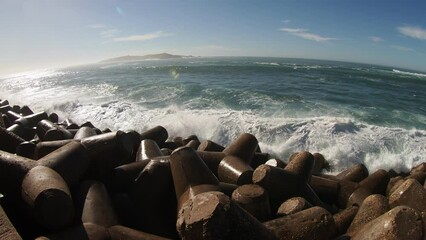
pixel 49 33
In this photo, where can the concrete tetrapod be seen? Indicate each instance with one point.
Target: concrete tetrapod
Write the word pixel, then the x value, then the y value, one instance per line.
pixel 212 215
pixel 283 184
pixel 235 166
pixel 254 199
pixel 154 200
pixel 49 198
pixel 314 223
pixel 191 175
pixel 371 208
pixel 400 223
pixel 7 230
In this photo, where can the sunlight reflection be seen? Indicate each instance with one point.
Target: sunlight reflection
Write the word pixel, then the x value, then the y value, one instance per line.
pixel 174 73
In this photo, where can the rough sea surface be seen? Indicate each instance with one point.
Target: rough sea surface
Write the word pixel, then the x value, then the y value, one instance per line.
pixel 351 113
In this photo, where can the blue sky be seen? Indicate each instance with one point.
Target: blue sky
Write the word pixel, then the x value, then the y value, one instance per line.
pixel 50 33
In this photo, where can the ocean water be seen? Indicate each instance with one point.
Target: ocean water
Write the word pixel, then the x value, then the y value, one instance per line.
pixel 351 113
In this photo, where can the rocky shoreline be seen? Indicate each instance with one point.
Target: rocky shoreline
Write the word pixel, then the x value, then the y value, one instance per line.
pixel 62 180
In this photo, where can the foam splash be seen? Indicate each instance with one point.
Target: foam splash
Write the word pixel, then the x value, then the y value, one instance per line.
pixel 342 141
pixel 420 75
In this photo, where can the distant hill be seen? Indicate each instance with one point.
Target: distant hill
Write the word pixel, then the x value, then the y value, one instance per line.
pixel 140 58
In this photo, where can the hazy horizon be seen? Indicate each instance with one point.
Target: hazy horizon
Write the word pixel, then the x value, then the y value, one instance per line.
pixel 49 34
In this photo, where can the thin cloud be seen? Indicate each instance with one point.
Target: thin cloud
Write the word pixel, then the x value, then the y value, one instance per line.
pixel 143 37
pixel 109 33
pixel 294 30
pixel 287 21
pixel 104 31
pixel 376 39
pixel 305 34
pixel 96 26
pixel 402 48
pixel 215 47
pixel 413 32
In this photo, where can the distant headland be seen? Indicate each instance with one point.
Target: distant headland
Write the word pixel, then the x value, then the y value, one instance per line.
pixel 129 58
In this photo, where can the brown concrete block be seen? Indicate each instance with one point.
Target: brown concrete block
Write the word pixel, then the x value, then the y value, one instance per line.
pixel 312 223
pixel 155 200
pixel 346 190
pixel 210 146
pixel 9 141
pixel 344 218
pixel 190 138
pixel 358 197
pixel 301 165
pixel 319 163
pixel 48 197
pixel 243 147
pixel 26 149
pixel 293 205
pixel 259 159
pixel 212 160
pixel 282 184
pixel 13 169
pixel 25 110
pixel 159 134
pixel 356 173
pixel 17 129
pixel 419 168
pixel 166 151
pixel 373 206
pixel 148 149
pixel 376 182
pixel 410 193
pixel 68 124
pixel 4 102
pixel 13 115
pixel 84 132
pixel 124 176
pixel 119 232
pixel 393 184
pixel 96 205
pixel 326 189
pixel 53 117
pixel 193 144
pixel 212 215
pixel 5 108
pixel 108 151
pixel 32 120
pixel 87 124
pixel 85 231
pixel 2 123
pixel 399 223
pixel 234 170
pixel 7 230
pixel 70 161
pixel 254 199
pixel 419 176
pixel 190 175
pixel 48 131
pixel 276 163
pixel 45 147
pixel 227 188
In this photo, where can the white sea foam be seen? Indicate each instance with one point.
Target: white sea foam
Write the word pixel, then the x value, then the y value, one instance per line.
pixel 268 63
pixel 421 75
pixel 342 141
